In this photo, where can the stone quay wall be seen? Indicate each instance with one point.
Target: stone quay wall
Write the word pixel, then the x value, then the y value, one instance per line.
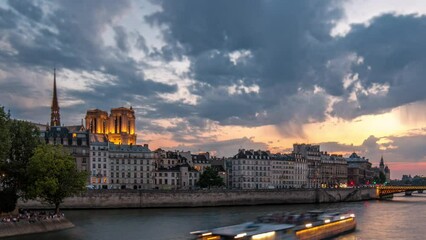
pixel 24 227
pixel 205 198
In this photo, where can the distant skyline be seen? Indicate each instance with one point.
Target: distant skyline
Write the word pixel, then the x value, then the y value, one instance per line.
pixel 219 75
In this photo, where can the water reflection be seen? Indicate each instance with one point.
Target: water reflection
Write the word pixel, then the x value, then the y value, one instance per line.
pixel 401 218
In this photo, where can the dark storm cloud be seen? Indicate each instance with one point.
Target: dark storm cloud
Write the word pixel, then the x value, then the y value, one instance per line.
pixel 121 38
pixel 141 44
pixel 7 19
pixel 278 42
pixel 69 36
pixel 393 50
pixel 290 48
pixel 27 9
pixel 408 148
pixel 226 148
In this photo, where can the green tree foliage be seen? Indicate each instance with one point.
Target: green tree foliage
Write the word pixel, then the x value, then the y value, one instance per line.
pixel 18 140
pixel 210 178
pixel 24 138
pixel 5 142
pixel 53 175
pixel 381 179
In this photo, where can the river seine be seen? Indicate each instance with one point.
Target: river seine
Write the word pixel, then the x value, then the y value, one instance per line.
pixel 400 218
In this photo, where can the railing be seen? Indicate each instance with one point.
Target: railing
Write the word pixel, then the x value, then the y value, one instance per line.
pixel 387 190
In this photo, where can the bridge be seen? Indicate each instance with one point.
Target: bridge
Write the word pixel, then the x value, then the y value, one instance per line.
pixel 387 190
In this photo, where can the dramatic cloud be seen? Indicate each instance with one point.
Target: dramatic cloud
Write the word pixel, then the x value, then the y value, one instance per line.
pixel 274 46
pixel 391 73
pixel 227 148
pixel 71 36
pixel 193 68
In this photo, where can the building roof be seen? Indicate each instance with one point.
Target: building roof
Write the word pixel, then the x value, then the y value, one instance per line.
pixel 128 148
pixel 95 138
pixel 75 128
pixel 242 153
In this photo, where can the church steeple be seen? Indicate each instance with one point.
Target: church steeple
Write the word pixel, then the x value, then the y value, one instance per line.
pixel 382 164
pixel 55 117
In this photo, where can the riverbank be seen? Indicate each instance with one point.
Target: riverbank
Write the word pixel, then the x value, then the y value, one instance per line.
pixel 8 229
pixel 205 198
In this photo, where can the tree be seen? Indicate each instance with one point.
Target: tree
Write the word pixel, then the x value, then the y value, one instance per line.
pixel 381 179
pixel 18 140
pixel 53 175
pixel 210 178
pixel 5 142
pixel 24 137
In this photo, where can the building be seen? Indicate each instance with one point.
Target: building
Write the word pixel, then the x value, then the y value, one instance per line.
pixel 282 171
pixel 99 163
pixel 119 126
pixel 131 166
pixel 74 139
pixel 169 159
pixel 359 171
pixel 55 116
pixel 384 169
pixel 334 170
pixel 250 170
pixel 177 177
pixel 312 155
pixel 175 170
pixel 301 171
pixel 201 161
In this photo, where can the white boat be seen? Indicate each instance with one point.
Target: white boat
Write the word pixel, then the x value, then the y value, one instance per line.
pixel 311 225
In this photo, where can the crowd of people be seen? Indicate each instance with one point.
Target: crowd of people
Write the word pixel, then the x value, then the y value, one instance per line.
pixel 30 216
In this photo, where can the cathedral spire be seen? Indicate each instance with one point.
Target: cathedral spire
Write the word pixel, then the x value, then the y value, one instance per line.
pixel 55 118
pixel 382 164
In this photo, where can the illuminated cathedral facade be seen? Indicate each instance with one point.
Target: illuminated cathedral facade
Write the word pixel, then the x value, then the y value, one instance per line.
pixel 118 126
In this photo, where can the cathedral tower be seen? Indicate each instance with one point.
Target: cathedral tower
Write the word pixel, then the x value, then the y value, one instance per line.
pixel 382 165
pixel 55 117
pixel 119 126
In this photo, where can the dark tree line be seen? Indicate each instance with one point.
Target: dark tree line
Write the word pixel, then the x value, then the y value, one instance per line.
pixel 210 178
pixel 32 170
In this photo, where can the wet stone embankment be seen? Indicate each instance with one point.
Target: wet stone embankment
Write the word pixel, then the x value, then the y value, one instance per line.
pixel 23 227
pixel 206 198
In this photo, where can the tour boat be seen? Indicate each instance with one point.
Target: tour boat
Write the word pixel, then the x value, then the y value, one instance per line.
pixel 311 225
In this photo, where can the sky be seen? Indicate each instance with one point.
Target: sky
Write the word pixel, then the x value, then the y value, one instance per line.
pixel 222 75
